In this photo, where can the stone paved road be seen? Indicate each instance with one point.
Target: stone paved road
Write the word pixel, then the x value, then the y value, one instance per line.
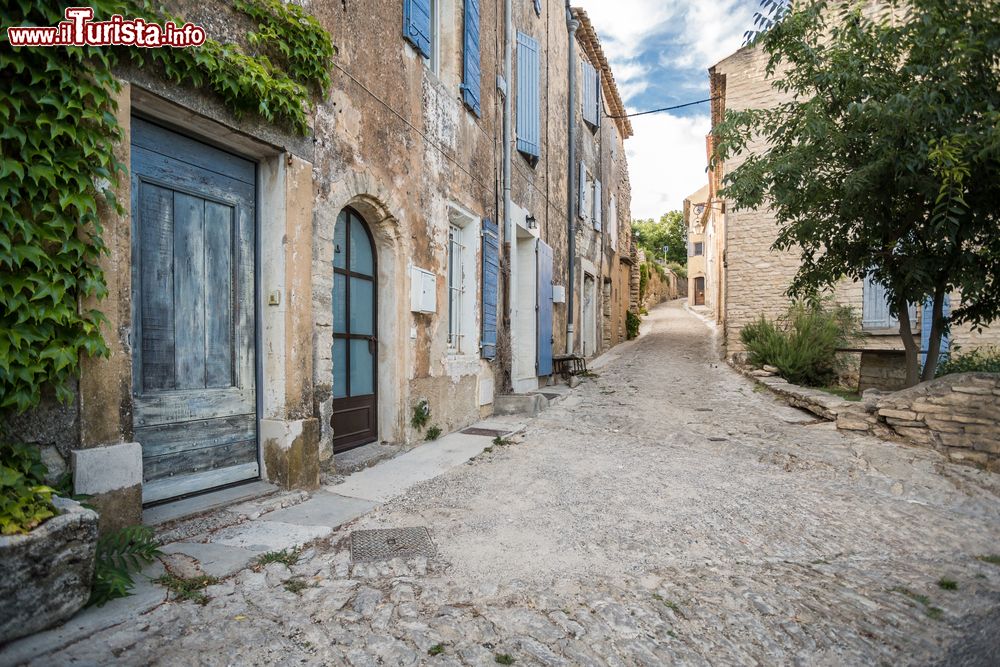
pixel 666 513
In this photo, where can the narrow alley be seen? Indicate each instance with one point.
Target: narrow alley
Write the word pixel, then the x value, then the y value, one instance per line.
pixel 663 513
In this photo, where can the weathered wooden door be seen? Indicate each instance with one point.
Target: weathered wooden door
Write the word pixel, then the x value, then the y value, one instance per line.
pixel 544 309
pixel 355 331
pixel 193 374
pixel 699 291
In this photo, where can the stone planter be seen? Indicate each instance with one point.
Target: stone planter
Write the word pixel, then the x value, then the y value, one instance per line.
pixel 45 576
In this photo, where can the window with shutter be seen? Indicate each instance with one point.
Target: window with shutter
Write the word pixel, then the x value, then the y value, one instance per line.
pixel 591 95
pixel 528 111
pixel 471 70
pixel 589 105
pixel 582 207
pixel 598 220
pixel 417 25
pixel 875 308
pixel 491 281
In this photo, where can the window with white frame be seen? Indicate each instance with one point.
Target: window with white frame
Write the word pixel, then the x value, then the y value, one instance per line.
pixel 463 282
pixel 456 287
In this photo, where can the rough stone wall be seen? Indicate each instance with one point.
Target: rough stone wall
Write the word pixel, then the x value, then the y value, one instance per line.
pixel 756 277
pixel 958 415
pixel 395 141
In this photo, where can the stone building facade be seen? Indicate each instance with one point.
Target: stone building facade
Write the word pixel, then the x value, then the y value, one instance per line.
pixel 366 270
pixel 753 278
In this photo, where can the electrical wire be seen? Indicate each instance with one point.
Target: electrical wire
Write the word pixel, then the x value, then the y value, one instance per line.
pixel 679 106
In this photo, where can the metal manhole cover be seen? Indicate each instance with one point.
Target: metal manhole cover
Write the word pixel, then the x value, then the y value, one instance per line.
pixel 386 544
pixel 491 432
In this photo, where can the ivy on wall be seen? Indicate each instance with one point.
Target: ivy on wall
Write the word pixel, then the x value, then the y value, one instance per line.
pixel 57 165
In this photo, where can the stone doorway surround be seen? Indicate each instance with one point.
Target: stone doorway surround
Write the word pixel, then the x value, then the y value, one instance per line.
pixel 108 463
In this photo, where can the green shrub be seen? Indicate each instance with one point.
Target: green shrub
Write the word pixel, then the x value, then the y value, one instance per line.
pixel 632 322
pixel 679 269
pixel 802 345
pixel 660 271
pixel 643 280
pixel 982 360
pixel 433 433
pixel 25 499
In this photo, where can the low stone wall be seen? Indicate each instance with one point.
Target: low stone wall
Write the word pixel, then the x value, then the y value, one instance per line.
pixel 958 415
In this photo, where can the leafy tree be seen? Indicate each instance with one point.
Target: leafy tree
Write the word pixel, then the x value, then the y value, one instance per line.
pixel 884 158
pixel 668 231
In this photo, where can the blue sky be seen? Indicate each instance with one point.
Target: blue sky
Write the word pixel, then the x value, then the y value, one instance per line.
pixel 660 52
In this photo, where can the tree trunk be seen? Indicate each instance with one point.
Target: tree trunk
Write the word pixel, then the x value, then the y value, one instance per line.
pixel 937 331
pixel 912 349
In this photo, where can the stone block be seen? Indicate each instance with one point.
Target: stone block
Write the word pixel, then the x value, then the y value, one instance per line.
pixel 918 436
pixel 903 415
pixel 45 576
pixel 291 452
pixel 966 456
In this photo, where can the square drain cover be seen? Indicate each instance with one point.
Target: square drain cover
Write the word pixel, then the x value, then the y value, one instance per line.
pixel 493 433
pixel 371 545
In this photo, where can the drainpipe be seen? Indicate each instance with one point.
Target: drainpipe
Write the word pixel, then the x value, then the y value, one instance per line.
pixel 508 132
pixel 572 25
pixel 508 48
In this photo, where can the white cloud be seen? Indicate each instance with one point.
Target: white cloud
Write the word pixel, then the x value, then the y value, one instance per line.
pixel 666 155
pixel 624 25
pixel 667 161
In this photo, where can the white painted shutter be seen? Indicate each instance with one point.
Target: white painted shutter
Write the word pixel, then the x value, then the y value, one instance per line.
pixel 597 206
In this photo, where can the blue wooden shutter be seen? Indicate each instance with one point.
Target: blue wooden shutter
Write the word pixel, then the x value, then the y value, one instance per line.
pixel 491 281
pixel 598 211
pixel 926 321
pixel 417 25
pixel 581 207
pixel 875 309
pixel 544 321
pixel 528 111
pixel 589 93
pixel 472 71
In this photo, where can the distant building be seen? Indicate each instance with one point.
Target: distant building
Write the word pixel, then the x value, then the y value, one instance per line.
pixel 754 277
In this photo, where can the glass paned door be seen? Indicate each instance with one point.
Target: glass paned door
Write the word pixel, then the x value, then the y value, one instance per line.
pixel 355 330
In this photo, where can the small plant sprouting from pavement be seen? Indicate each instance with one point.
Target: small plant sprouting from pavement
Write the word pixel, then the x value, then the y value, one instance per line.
pixel 296 585
pixel 669 604
pixel 437 649
pixel 434 432
pixel 992 559
pixel 931 611
pixel 504 658
pixel 501 441
pixel 947 584
pixel 287 557
pixel 187 588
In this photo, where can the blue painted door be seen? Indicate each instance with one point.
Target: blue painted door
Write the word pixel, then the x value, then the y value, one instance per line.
pixel 193 372
pixel 355 331
pixel 544 309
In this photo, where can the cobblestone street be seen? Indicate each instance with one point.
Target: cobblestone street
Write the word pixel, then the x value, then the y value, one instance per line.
pixel 664 513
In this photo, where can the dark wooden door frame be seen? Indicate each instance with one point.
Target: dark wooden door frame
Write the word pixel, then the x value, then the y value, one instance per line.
pixel 348 402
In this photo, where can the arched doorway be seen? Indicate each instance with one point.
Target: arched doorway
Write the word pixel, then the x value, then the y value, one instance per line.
pixel 355 330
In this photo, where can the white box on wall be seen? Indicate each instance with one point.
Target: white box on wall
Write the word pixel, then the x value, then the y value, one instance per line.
pixel 558 294
pixel 423 291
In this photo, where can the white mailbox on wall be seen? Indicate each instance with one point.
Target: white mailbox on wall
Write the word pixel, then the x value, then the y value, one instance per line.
pixel 423 291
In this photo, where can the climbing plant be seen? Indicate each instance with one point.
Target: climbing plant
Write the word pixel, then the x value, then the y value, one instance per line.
pixel 58 168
